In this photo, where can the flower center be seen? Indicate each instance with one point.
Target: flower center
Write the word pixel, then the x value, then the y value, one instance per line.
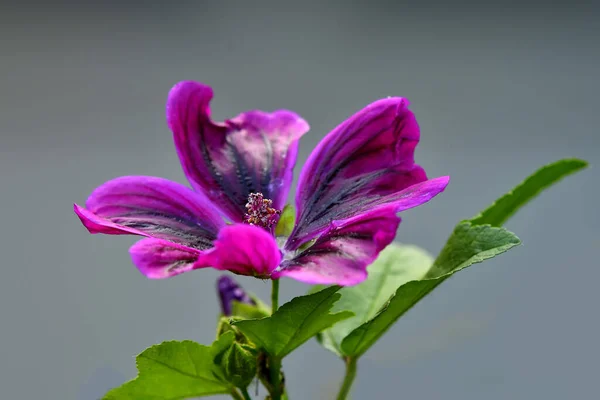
pixel 260 212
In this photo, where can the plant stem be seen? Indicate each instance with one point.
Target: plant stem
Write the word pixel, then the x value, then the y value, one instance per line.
pixel 348 379
pixel 246 394
pixel 274 362
pixel 275 296
pixel 275 371
pixel 235 394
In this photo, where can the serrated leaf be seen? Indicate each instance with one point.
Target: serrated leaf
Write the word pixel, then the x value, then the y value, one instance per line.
pixel 294 323
pixel 503 208
pixel 469 244
pixel 176 370
pixel 396 265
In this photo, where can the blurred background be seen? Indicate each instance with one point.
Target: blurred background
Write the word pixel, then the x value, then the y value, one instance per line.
pixel 499 90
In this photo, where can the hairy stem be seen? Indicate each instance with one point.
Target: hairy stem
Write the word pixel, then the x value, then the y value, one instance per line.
pixel 348 379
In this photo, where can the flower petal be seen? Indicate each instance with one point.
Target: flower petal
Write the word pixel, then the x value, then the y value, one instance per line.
pixel 245 250
pixel 341 255
pixel 159 259
pixel 253 152
pixel 153 207
pixel 365 162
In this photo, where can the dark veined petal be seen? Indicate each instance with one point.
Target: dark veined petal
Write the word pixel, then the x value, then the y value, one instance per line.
pixel 245 250
pixel 159 259
pixel 365 163
pixel 153 207
pixel 254 152
pixel 342 253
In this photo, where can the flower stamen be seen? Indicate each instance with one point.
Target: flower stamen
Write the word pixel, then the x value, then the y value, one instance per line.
pixel 260 212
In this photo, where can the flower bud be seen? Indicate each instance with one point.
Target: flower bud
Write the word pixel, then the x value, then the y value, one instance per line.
pixel 239 364
pixel 229 291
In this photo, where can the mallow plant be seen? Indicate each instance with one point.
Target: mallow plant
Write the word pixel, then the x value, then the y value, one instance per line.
pixel 337 236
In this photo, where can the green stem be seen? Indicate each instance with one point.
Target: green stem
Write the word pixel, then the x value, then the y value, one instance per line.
pixel 348 379
pixel 246 394
pixel 274 362
pixel 275 371
pixel 275 296
pixel 235 394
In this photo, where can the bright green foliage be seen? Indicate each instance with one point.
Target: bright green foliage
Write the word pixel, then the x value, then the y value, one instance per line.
pixel 248 311
pixel 396 265
pixel 504 208
pixel 294 322
pixel 176 370
pixel 468 245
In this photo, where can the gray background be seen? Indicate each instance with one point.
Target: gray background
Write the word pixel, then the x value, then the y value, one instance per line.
pixel 498 90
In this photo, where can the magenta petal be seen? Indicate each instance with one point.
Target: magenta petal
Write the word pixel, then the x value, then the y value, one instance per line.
pixel 159 259
pixel 245 250
pixel 153 207
pixel 253 152
pixel 412 196
pixel 341 254
pixel 362 163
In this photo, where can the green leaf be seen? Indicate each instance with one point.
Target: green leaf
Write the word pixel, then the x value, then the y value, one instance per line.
pixel 286 222
pixel 396 265
pixel 294 323
pixel 223 342
pixel 469 244
pixel 250 311
pixel 176 370
pixel 503 208
pixel 247 311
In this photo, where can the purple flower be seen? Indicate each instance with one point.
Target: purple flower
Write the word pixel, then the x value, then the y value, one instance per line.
pixel 349 192
pixel 229 291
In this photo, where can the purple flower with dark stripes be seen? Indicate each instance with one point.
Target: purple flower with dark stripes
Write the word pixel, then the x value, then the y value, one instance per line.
pixel 349 193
